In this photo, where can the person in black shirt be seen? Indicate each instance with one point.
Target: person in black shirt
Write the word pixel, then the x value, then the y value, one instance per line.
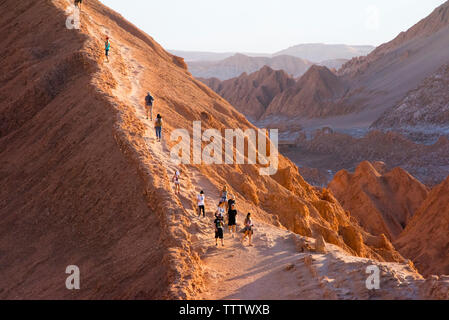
pixel 219 224
pixel 231 201
pixel 232 219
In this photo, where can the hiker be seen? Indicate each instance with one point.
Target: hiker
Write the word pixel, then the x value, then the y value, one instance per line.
pixel 149 105
pixel 232 220
pixel 201 204
pixel 78 3
pixel 248 230
pixel 219 224
pixel 107 47
pixel 224 196
pixel 158 127
pixel 231 201
pixel 176 181
pixel 220 210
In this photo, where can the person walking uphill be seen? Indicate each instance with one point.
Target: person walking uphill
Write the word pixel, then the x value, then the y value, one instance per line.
pixel 177 182
pixel 248 230
pixel 224 196
pixel 158 127
pixel 201 204
pixel 220 210
pixel 107 47
pixel 232 219
pixel 219 225
pixel 149 105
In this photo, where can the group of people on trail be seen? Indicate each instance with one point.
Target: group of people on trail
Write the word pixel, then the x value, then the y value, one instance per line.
pixel 226 204
pixel 149 101
pixel 229 206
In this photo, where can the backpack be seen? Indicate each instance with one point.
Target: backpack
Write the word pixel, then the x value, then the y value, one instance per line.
pixel 159 122
pixel 218 223
pixel 149 100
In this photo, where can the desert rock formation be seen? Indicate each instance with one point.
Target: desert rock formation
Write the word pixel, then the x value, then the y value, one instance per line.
pixel 424 111
pixel 336 151
pixel 252 94
pixel 383 77
pixel 313 95
pixel 425 239
pixel 383 203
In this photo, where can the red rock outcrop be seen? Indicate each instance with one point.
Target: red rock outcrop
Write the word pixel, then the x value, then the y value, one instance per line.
pixel 312 96
pixel 252 94
pixel 425 240
pixel 383 203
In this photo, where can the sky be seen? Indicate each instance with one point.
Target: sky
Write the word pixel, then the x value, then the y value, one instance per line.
pixel 268 26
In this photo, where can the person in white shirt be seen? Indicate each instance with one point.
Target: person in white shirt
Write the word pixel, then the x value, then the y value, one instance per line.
pixel 201 204
pixel 248 230
pixel 177 182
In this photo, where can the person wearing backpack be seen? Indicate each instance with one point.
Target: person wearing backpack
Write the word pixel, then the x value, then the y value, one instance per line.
pixel 219 225
pixel 149 105
pixel 107 47
pixel 232 219
pixel 158 127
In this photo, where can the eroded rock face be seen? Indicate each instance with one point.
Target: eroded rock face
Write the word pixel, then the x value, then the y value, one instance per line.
pixel 313 95
pixel 425 239
pixel 252 94
pixel 382 203
pixel 424 112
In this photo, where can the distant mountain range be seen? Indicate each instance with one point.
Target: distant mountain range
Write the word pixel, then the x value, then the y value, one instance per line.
pixel 190 56
pixel 295 61
pixel 319 52
pixel 400 86
pixel 238 64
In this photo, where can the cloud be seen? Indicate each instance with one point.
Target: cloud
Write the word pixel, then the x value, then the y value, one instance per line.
pixel 372 18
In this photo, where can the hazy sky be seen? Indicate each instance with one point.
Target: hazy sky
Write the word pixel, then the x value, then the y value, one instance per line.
pixel 271 25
